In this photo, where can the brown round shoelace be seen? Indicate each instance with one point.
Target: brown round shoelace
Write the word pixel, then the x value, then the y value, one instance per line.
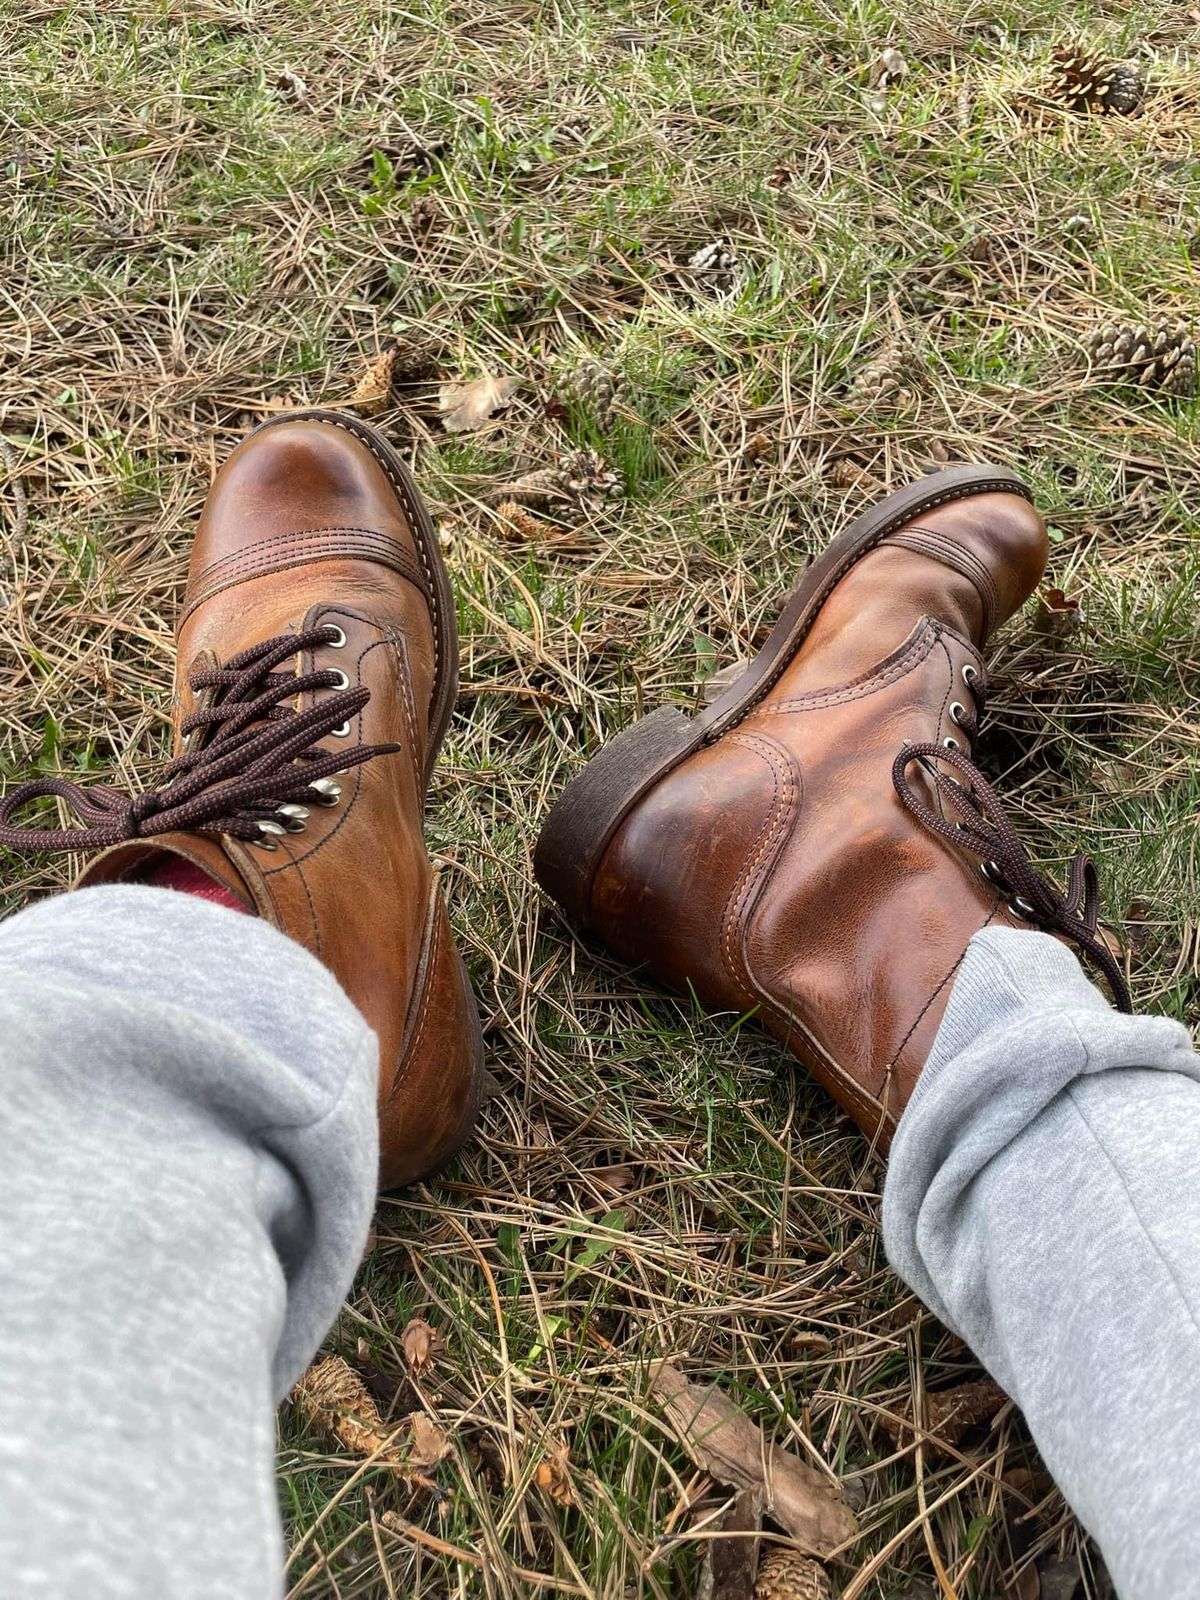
pixel 982 829
pixel 253 764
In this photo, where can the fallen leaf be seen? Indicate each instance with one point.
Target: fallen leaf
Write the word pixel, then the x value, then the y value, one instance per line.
pixel 420 1343
pixel 551 1477
pixel 724 1442
pixel 1057 613
pixel 467 406
pixel 613 1224
pixel 292 86
pixel 428 1443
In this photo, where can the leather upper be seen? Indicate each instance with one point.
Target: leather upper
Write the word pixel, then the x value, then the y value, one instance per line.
pixel 303 527
pixel 776 868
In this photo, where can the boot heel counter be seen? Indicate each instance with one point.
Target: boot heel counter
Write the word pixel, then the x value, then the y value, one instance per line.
pixel 676 883
pixel 428 1108
pixel 589 812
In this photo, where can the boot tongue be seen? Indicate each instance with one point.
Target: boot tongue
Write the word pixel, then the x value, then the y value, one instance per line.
pixel 138 862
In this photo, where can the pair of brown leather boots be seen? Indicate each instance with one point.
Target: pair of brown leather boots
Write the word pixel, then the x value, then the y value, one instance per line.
pixel 816 845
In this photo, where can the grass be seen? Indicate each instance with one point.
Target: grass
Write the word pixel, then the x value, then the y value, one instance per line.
pixel 191 248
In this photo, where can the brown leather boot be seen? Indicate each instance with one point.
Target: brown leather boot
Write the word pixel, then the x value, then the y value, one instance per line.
pixel 816 845
pixel 317 666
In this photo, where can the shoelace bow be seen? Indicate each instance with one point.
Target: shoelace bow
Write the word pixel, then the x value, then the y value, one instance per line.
pixel 257 757
pixel 983 829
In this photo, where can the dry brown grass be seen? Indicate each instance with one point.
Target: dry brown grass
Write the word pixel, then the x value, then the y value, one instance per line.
pixel 191 248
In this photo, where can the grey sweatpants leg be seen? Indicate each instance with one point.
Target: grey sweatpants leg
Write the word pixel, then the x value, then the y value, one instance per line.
pixel 1043 1198
pixel 188 1153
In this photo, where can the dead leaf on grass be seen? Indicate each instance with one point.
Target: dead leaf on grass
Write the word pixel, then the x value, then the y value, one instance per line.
pixel 428 1444
pixel 467 406
pixel 292 87
pixel 552 1478
pixel 722 1439
pixel 420 1343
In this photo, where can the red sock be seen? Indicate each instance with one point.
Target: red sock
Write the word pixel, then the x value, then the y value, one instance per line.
pixel 174 872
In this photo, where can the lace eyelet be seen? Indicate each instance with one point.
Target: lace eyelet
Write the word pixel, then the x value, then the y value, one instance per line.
pixel 991 871
pixel 1021 908
pixel 295 817
pixel 970 675
pixel 951 743
pixel 342 731
pixel 957 712
pixel 338 642
pixel 344 682
pixel 327 792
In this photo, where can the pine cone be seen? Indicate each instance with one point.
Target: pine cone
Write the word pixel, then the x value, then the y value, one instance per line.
pixel 1164 359
pixel 785 1574
pixel 951 1413
pixel 888 375
pixel 515 521
pixel 1126 86
pixel 335 1401
pixel 716 269
pixel 400 367
pixel 1087 83
pixel 593 387
pixel 579 484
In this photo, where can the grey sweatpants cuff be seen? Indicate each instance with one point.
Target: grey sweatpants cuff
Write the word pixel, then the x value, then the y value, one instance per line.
pixel 1042 1199
pixel 1023 1023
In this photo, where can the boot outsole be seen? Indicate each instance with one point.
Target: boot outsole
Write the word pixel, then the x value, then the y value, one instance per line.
pixel 592 807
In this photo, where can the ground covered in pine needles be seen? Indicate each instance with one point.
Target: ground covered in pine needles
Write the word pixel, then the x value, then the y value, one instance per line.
pixel 763 262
